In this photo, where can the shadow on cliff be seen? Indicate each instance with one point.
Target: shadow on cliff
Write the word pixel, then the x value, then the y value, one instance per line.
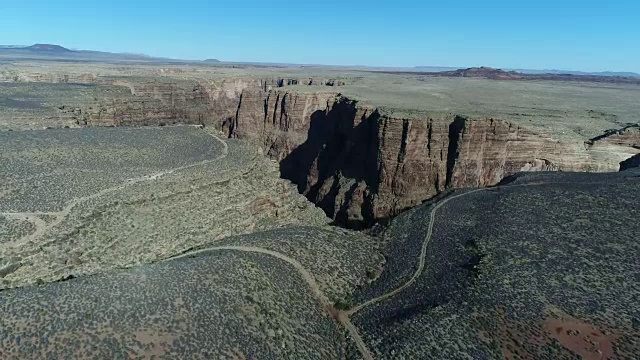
pixel 631 163
pixel 341 151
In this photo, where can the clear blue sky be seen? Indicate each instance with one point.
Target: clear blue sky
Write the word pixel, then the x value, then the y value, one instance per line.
pixel 541 34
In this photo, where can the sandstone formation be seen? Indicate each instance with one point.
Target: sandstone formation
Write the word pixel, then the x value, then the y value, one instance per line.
pixel 158 102
pixel 626 136
pixel 361 166
pixel 355 162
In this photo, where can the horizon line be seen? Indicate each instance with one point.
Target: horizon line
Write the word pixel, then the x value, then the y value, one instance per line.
pixel 552 69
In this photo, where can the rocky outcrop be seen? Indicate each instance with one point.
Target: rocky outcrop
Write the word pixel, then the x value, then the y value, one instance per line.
pixel 361 166
pixel 487 150
pixel 94 78
pixel 166 100
pixel 626 136
pixel 356 163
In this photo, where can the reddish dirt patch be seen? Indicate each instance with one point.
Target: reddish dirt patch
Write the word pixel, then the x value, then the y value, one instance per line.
pixel 581 338
pixel 156 343
pixel 534 338
pixel 516 340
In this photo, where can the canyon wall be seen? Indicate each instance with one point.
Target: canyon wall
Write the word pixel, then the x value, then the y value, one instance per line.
pixel 358 165
pixel 361 166
pixel 191 102
pixel 626 136
pixel 158 100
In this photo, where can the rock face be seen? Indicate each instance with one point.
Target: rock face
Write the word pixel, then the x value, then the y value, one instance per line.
pixel 357 164
pixel 195 102
pixel 361 166
pixel 487 150
pixel 626 136
pixel 167 101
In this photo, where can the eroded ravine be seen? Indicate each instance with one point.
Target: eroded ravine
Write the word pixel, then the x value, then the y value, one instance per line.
pixel 361 165
pixel 357 161
pixel 381 164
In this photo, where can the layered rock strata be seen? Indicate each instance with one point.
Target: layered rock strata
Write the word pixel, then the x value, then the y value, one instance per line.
pixel 626 136
pixel 361 166
pixel 358 164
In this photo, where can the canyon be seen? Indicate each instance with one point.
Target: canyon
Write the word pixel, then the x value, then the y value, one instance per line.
pixel 358 162
pixel 361 166
pixel 196 185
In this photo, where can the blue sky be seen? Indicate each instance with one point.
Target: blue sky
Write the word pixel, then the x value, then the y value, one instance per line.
pixel 573 35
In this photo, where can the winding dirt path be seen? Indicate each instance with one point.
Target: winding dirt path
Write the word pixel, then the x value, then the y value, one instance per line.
pixel 343 317
pixel 324 301
pixel 39 224
pixel 421 262
pixel 421 258
pixel 60 216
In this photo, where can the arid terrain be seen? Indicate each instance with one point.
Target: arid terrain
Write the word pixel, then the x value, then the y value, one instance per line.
pixel 363 146
pixel 163 209
pixel 542 266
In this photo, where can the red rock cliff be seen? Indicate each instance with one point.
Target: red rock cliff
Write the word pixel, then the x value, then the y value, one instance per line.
pixel 361 166
pixel 358 165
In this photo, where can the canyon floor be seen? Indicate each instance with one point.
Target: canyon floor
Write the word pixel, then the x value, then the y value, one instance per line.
pixel 209 211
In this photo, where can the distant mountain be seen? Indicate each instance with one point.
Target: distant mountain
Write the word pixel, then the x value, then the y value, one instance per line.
pixel 12 46
pixel 614 73
pixel 499 74
pixel 533 71
pixel 212 61
pixel 48 48
pixel 569 72
pixel 60 53
pixel 482 72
